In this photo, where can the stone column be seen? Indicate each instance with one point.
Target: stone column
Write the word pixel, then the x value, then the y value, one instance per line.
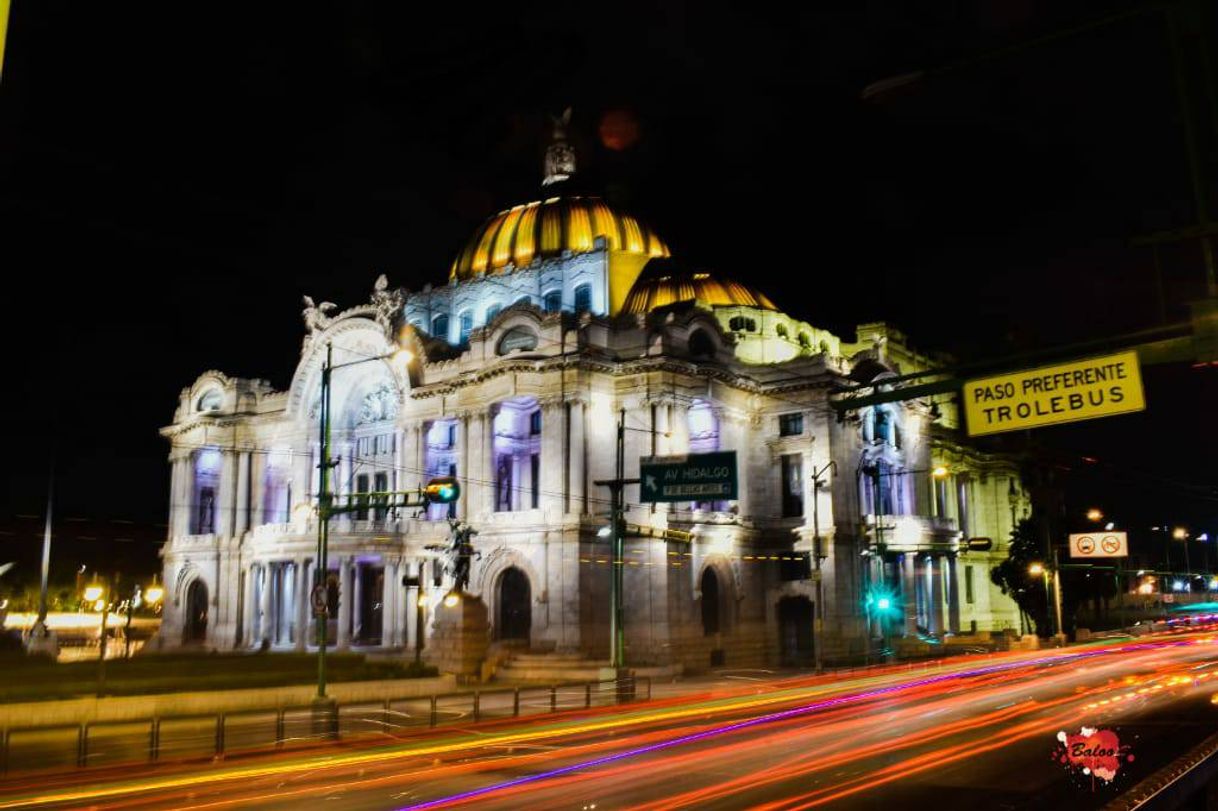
pixel 242 517
pixel 909 592
pixel 935 612
pixel 474 455
pixel 357 601
pixel 248 612
pixel 389 604
pixel 183 497
pixel 344 603
pixel 489 469
pixel 177 473
pixel 302 603
pixel 227 497
pixel 257 483
pixel 576 457
pixel 265 585
pixel 953 595
pixel 680 429
pixel 552 463
pixel 737 439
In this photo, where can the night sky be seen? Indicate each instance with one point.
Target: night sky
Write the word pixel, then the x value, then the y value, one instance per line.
pixel 174 177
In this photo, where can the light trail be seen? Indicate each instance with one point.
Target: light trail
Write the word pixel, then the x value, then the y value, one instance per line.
pixel 771 717
pixel 676 709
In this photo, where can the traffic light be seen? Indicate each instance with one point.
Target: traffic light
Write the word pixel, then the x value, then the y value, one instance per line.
pixel 444 490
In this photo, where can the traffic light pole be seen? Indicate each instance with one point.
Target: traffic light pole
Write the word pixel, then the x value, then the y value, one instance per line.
pixel 323 519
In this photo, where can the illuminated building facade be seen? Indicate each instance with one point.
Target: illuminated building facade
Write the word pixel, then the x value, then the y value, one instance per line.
pixel 558 316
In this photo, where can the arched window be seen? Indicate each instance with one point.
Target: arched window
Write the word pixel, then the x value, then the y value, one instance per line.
pixel 736 324
pixel 583 298
pixel 517 338
pixel 491 312
pixel 211 400
pixel 701 345
pixel 781 330
pixel 439 326
pixel 552 301
pixel 466 320
pixel 523 300
pixel 805 341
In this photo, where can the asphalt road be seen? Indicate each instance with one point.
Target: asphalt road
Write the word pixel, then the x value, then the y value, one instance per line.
pixel 978 733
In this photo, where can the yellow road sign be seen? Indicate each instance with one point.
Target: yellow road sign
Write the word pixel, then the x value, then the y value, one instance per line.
pixel 1066 392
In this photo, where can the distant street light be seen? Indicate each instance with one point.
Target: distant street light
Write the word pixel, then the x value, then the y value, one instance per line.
pixel 1036 569
pixel 1180 534
pixel 939 472
pixel 1095 515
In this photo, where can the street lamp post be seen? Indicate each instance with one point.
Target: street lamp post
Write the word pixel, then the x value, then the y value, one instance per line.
pixel 818 556
pixel 1043 570
pixel 95 595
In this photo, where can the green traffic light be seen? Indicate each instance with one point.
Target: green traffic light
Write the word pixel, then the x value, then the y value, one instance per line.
pixel 443 490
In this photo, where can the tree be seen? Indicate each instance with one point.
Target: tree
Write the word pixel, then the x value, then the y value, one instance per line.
pixel 1012 576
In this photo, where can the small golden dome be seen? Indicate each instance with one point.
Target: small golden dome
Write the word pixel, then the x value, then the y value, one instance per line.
pixel 546 228
pixel 662 282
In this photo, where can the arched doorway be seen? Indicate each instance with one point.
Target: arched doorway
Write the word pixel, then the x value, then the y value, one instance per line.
pixel 795 617
pixel 194 628
pixel 711 619
pixel 515 605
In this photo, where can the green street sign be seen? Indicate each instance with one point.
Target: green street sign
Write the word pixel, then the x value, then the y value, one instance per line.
pixel 693 477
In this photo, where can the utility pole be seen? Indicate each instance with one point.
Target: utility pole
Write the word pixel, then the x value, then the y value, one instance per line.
pixel 616 485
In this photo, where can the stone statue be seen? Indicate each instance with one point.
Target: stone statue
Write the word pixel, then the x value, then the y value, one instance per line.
pixel 386 303
pixel 458 553
pixel 317 316
pixel 560 157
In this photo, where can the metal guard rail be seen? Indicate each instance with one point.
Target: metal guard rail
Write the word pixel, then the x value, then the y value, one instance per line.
pixel 326 719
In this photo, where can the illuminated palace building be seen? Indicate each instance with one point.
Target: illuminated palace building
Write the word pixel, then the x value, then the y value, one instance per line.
pixel 559 316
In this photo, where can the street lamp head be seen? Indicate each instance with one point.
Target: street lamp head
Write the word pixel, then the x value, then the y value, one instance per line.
pixel 452 599
pixel 402 358
pixel 154 594
pixel 1095 514
pixel 1036 568
pixel 939 472
pixel 1180 534
pixel 94 594
pixel 604 531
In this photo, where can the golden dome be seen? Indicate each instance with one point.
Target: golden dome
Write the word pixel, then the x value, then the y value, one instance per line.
pixel 662 283
pixel 546 228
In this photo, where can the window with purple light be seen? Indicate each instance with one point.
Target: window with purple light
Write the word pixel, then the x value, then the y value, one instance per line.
pixel 517 449
pixel 206 486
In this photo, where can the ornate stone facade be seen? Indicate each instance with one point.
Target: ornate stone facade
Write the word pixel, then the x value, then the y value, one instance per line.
pixel 517 395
